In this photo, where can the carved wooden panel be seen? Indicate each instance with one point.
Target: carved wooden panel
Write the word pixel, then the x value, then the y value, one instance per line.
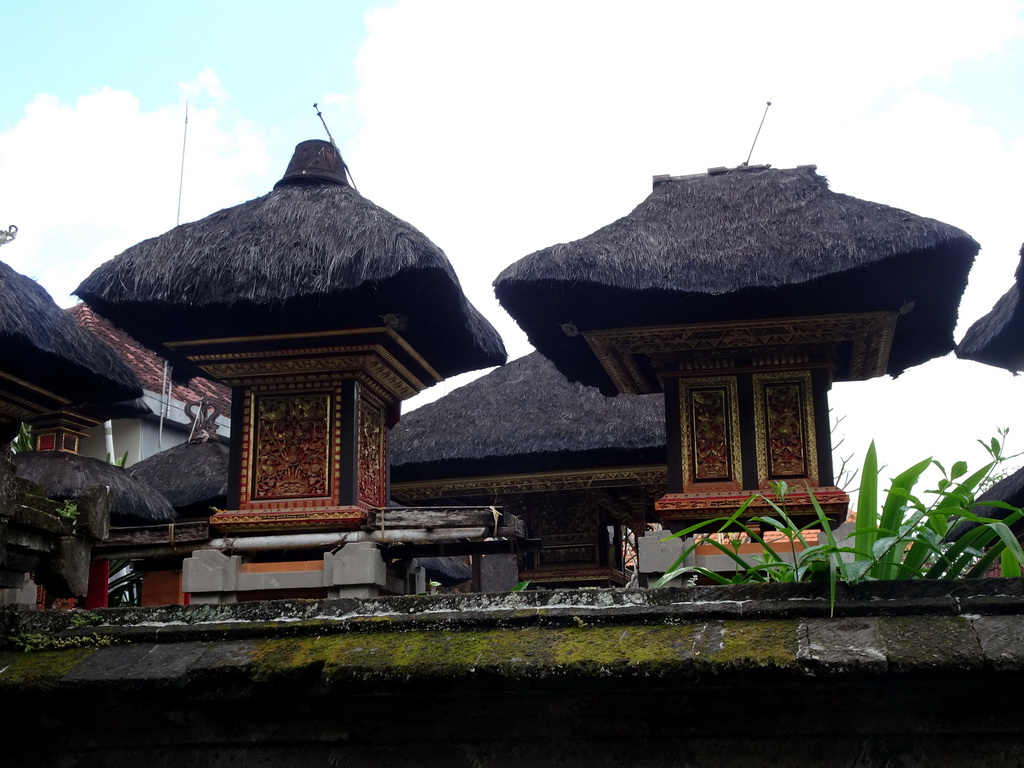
pixel 783 417
pixel 292 446
pixel 567 524
pixel 372 455
pixel 784 425
pixel 710 431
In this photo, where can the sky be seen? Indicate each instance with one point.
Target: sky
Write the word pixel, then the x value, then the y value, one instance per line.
pixel 498 129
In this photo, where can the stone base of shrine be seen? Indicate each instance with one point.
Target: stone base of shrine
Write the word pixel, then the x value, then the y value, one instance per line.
pixel 289 519
pixel 356 570
pixel 682 510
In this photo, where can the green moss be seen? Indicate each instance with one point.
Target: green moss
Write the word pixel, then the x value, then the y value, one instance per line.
pixel 85 619
pixel 290 657
pixel 758 643
pixel 40 670
pixel 43 642
pixel 441 654
pixel 606 650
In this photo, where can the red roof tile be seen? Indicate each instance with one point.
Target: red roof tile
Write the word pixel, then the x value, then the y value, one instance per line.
pixel 149 366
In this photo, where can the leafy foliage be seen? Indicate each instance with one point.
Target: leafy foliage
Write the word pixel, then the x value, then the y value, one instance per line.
pixel 896 536
pixel 68 511
pixel 23 442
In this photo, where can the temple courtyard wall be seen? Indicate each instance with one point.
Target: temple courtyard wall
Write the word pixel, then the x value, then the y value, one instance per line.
pixel 922 673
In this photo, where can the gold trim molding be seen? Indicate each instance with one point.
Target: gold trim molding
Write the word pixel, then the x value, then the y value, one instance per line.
pixel 344 518
pixel 537 482
pixel 869 334
pixel 694 507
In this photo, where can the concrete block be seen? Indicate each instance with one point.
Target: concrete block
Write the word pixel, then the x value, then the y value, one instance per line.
pixel 271 580
pixel 209 570
pixel 496 573
pixel 657 556
pixel 407 579
pixel 358 563
pixel 22 594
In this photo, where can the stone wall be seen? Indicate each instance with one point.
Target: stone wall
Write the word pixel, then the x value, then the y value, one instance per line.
pixel 899 674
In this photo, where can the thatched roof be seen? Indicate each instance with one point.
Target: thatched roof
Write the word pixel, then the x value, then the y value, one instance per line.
pixel 191 476
pixel 41 344
pixel 740 244
pixel 523 417
pixel 66 475
pixel 998 338
pixel 1009 490
pixel 312 255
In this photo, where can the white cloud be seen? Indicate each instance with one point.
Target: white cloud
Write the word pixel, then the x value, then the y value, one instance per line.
pixel 337 99
pixel 206 82
pixel 84 181
pixel 501 129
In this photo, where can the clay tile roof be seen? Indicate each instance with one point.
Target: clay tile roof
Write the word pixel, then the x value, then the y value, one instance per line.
pixel 149 366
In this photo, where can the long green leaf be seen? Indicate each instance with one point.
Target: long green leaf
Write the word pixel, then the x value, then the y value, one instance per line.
pixel 955 557
pixel 1009 565
pixel 867 502
pixel 893 513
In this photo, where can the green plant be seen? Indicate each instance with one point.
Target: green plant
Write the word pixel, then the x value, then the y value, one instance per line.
pixel 41 642
pixel 85 619
pixel 896 535
pixel 121 461
pixel 67 511
pixel 23 442
pixel 520 586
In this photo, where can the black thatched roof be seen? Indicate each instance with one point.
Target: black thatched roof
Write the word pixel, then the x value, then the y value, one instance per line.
pixel 41 344
pixel 192 476
pixel 526 417
pixel 66 475
pixel 1009 490
pixel 741 244
pixel 312 255
pixel 998 338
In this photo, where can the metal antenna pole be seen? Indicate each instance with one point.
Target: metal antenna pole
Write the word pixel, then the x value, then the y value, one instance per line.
pixel 348 173
pixel 181 178
pixel 321 116
pixel 758 133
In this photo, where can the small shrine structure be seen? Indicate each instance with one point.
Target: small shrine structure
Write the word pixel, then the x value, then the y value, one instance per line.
pixel 59 376
pixel 743 294
pixel 49 364
pixel 323 312
pixel 581 469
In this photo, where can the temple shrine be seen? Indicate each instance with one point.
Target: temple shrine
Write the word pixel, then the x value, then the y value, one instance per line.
pixel 743 294
pixel 323 312
pixel 582 470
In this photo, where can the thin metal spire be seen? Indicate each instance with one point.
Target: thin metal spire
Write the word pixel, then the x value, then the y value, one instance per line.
pixel 181 178
pixel 747 162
